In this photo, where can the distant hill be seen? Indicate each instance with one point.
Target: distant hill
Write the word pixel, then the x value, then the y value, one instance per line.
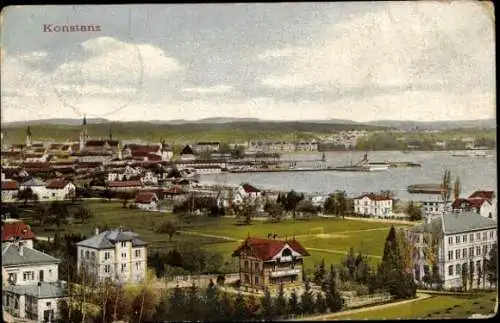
pixel 396 124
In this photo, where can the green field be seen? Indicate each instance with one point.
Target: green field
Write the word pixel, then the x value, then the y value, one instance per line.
pixel 435 307
pixel 333 236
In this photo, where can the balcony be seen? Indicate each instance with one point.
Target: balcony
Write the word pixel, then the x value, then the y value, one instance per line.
pixel 285 272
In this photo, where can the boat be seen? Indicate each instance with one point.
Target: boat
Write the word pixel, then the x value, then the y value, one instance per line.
pixel 433 188
pixel 470 153
pixel 364 166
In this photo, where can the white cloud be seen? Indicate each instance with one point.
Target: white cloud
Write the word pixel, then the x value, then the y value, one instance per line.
pixel 419 43
pixel 217 89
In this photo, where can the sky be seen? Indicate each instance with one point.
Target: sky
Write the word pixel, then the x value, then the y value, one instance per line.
pixel 362 61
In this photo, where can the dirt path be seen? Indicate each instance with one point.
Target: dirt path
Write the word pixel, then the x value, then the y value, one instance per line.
pixel 335 234
pixel 326 317
pixel 341 252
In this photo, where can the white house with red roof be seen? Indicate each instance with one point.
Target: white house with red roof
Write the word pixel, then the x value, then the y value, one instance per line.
pixel 372 204
pixel 59 190
pixel 268 263
pixel 9 190
pixel 14 230
pixel 147 201
pixel 480 202
pixel 246 190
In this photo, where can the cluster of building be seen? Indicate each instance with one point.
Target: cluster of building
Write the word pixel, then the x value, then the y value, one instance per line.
pixel 32 287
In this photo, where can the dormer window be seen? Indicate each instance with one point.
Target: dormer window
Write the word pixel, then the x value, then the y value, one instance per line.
pixel 286 253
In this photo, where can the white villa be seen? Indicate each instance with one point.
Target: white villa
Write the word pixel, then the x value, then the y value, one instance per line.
pixel 32 290
pixel 59 190
pixel 373 204
pixel 117 254
pixel 464 240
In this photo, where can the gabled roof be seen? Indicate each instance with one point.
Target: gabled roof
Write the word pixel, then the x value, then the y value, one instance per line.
pixel 11 256
pixel 9 185
pixel 249 188
pixel 266 249
pixel 57 184
pixel 483 195
pixel 374 197
pixel 469 203
pixel 145 197
pixel 187 150
pixel 107 239
pixel 15 230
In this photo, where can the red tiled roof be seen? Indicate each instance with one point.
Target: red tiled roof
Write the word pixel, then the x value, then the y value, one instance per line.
pixel 101 143
pixel 475 203
pixel 375 197
pixel 36 165
pixel 9 185
pixel 266 249
pixel 175 190
pixel 125 184
pixel 483 195
pixel 15 230
pixel 57 184
pixel 145 197
pixel 249 188
pixel 459 202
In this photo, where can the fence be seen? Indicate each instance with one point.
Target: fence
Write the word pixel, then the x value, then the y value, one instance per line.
pixel 359 301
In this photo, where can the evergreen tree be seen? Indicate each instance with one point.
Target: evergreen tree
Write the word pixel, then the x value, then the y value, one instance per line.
pixel 321 305
pixel 177 304
pixel 211 301
pixel 268 310
pixel 280 302
pixel 307 300
pixel 240 308
pixel 319 273
pixel 193 303
pixel 334 300
pixel 224 308
pixel 293 303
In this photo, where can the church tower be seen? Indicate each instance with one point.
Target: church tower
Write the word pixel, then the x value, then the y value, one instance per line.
pixel 110 134
pixel 28 137
pixel 83 133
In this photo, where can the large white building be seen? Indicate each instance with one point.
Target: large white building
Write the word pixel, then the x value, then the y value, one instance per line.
pixel 463 240
pixel 373 204
pixel 32 289
pixel 118 255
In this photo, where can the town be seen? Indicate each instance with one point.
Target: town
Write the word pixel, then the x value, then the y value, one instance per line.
pixel 79 215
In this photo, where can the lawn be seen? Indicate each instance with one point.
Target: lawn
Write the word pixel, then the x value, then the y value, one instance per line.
pixel 437 307
pixel 321 233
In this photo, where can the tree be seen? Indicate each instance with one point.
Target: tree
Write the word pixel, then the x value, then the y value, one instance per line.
pixel 125 197
pixel 291 200
pixel 167 227
pixel 268 306
pixel 224 308
pixel 245 210
pixel 307 299
pixel 320 303
pixel 334 300
pixel 280 302
pixel 193 304
pixel 293 303
pixel 306 207
pixel 465 277
pixel 41 214
pixel 319 273
pixel 275 211
pixel 336 204
pixel 58 213
pixel 407 247
pixel 25 195
pixel 457 187
pixel 84 214
pixel 177 304
pixel 240 308
pixel 492 266
pixel 211 301
pixel 414 212
pixel 446 186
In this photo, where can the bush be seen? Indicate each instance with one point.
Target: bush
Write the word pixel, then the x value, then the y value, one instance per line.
pixel 360 289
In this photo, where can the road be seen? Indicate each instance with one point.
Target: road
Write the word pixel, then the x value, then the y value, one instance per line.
pixel 327 317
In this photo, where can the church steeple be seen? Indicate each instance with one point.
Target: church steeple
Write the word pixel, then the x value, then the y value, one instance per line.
pixel 83 133
pixel 84 123
pixel 110 134
pixel 28 137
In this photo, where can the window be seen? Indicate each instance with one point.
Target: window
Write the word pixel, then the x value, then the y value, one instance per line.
pixel 107 268
pixel 471 251
pixel 107 255
pixel 48 304
pixel 256 266
pixel 137 253
pixel 28 275
pixel 489 215
pixel 246 264
pixel 478 251
pixel 138 265
pixel 471 237
pixel 450 270
pixel 450 240
pixel 478 265
pixel 478 236
pixel 457 269
pixel 485 236
pixel 124 255
pixel 87 254
pixel 464 238
pixel 485 250
pixel 457 254
pixel 124 266
pixel 491 234
pixel 256 280
pixel 124 244
pixel 50 273
pixel 450 255
pixel 247 278
pixel 93 255
pixel 464 252
pixel 81 254
pixel 457 239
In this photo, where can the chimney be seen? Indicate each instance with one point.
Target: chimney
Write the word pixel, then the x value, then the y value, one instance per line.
pixel 96 231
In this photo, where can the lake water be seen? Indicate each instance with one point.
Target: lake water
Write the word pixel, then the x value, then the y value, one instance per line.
pixel 476 173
